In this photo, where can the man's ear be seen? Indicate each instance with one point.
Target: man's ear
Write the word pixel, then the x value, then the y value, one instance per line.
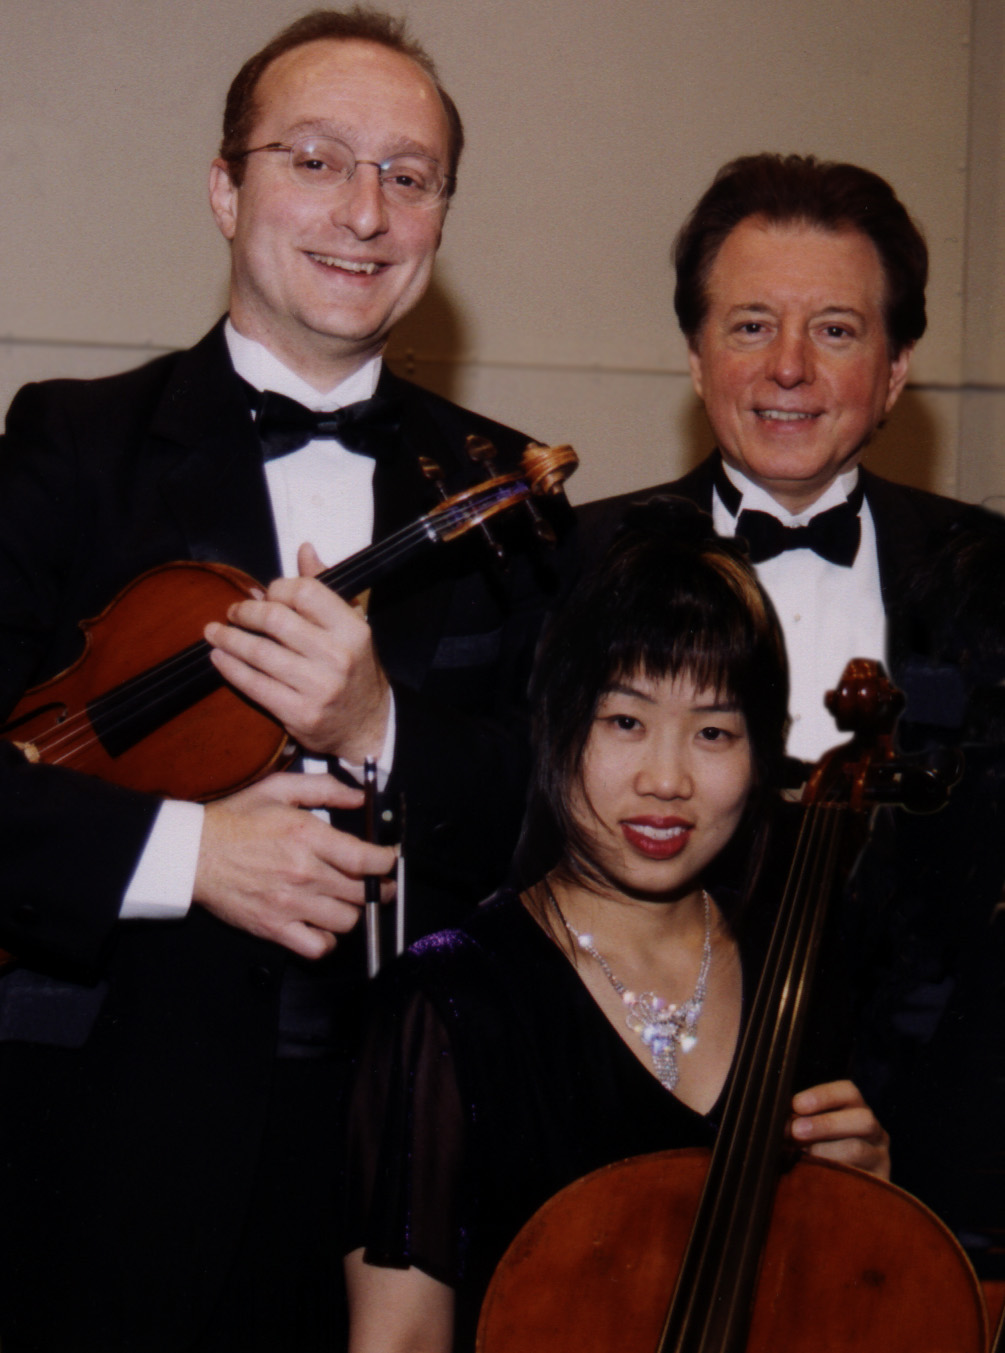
pixel 223 198
pixel 694 363
pixel 898 376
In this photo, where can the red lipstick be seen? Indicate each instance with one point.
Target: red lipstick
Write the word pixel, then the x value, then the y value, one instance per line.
pixel 658 838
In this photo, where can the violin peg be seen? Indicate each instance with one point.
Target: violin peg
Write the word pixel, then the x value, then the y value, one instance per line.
pixel 433 472
pixel 497 550
pixel 542 529
pixel 481 451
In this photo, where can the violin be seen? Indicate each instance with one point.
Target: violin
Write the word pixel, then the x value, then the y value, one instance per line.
pixel 144 707
pixel 752 1248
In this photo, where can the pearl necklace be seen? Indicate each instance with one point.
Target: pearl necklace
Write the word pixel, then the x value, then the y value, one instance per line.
pixel 662 1025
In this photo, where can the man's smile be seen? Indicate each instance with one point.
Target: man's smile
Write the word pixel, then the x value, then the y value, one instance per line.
pixel 785 415
pixel 344 264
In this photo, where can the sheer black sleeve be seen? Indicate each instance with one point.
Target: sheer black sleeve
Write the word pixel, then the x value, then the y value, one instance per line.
pixel 407 1137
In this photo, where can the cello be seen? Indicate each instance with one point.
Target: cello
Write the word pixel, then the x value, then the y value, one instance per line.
pixel 748 1249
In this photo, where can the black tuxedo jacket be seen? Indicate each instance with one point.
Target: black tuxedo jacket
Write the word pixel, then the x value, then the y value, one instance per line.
pixel 911 527
pixel 140 1054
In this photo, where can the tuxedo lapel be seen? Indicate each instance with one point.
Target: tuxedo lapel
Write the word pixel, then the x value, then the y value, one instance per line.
pixel 408 621
pixel 697 485
pixel 903 536
pixel 911 528
pixel 202 437
pixel 401 492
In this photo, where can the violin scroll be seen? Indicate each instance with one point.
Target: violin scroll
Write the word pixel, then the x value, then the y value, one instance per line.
pixel 548 467
pixel 543 471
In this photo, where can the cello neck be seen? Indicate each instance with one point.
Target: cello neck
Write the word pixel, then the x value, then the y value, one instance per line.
pixel 710 1309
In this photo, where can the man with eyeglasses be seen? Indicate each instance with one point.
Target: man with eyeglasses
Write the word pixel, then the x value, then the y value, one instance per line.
pixel 174 1038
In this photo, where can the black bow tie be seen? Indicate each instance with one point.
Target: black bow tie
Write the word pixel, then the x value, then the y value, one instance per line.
pixel 369 427
pixel 834 534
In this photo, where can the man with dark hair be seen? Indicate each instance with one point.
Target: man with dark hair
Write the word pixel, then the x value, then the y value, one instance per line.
pixel 801 291
pixel 174 1037
pixel 792 189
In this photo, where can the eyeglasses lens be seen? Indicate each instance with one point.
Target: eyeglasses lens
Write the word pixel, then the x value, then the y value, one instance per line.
pixel 409 180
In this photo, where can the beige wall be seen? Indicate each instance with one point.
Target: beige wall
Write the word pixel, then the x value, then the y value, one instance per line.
pixel 592 129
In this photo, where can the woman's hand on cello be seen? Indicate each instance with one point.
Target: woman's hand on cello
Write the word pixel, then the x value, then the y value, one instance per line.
pixel 834 1122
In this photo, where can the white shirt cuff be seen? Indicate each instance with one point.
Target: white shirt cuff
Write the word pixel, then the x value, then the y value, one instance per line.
pixel 162 882
pixel 384 762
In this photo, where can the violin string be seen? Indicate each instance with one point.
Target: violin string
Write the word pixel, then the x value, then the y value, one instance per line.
pixel 174 672
pixel 139 694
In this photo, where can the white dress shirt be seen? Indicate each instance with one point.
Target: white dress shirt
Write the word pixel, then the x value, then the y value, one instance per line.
pixel 829 614
pixel 323 494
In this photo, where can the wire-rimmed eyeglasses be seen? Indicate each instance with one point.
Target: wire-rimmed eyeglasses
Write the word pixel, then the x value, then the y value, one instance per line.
pixel 410 179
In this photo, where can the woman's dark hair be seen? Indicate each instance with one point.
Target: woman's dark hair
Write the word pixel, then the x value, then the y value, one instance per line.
pixel 669 598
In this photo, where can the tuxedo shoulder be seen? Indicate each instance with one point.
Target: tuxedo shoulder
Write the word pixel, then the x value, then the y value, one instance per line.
pixel 598 520
pixel 614 508
pixel 151 376
pixel 455 420
pixel 890 500
pixel 103 411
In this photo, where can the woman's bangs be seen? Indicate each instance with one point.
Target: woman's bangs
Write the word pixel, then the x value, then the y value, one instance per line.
pixel 685 641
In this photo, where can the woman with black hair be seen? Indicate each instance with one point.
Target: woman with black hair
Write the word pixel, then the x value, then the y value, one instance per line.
pixel 595 1014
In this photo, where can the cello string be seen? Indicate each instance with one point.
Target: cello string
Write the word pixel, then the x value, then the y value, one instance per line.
pixel 745 1189
pixel 692 1294
pixel 771 1017
pixel 755 1189
pixel 723 1239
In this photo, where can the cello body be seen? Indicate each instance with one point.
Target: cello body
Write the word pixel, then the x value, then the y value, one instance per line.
pixel 851 1265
